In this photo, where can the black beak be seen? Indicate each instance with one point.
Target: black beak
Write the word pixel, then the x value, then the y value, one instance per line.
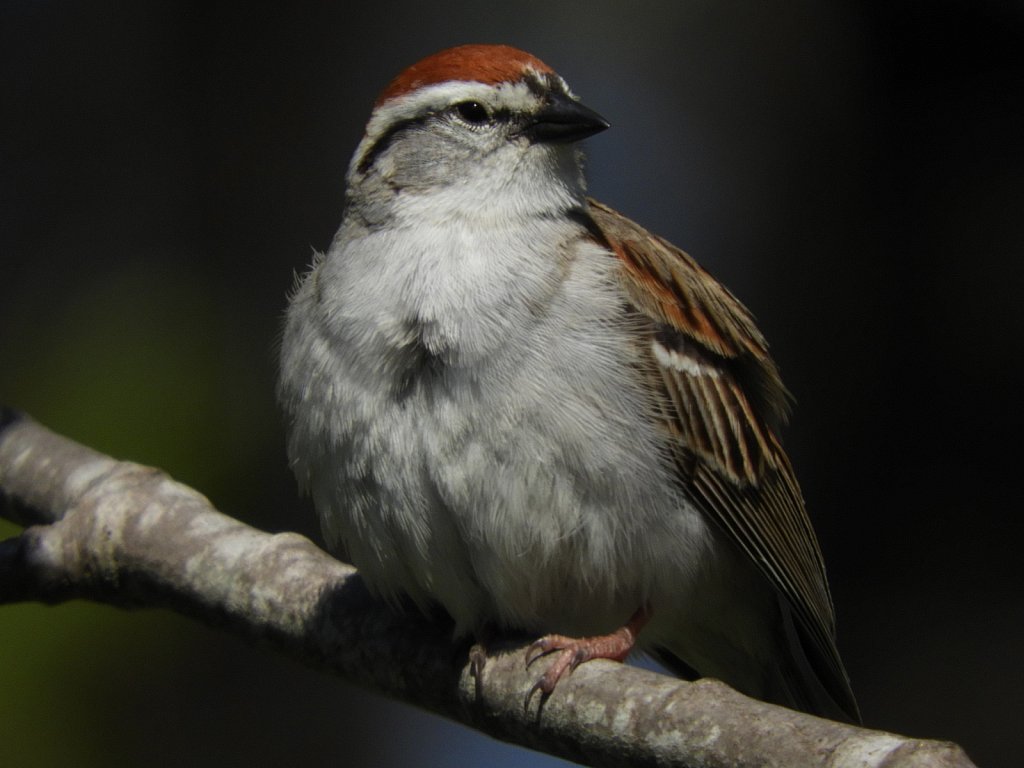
pixel 562 120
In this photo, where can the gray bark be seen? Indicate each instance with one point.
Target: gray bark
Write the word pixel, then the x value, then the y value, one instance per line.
pixel 128 535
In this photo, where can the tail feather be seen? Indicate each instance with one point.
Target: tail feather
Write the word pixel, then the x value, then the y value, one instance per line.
pixel 814 682
pixel 800 676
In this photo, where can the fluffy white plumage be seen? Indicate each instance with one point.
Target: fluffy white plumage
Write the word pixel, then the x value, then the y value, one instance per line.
pixel 484 436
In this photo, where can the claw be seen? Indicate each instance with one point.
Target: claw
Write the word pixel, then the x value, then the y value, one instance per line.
pixel 477 660
pixel 542 647
pixel 529 695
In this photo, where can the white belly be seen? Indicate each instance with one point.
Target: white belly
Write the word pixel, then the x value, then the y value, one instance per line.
pixel 503 462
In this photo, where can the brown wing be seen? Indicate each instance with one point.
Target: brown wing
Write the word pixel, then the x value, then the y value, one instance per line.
pixel 727 401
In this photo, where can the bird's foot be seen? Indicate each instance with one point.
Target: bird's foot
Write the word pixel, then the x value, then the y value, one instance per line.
pixel 573 651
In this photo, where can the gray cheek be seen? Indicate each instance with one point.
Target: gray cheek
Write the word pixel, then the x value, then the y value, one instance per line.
pixel 430 160
pixel 418 164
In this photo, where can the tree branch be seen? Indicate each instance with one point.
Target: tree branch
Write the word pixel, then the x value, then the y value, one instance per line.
pixel 128 535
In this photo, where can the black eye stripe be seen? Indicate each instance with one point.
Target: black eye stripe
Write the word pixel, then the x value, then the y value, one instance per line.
pixel 385 140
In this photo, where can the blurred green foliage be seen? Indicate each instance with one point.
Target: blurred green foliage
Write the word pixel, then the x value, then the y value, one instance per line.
pixel 137 365
pixel 63 671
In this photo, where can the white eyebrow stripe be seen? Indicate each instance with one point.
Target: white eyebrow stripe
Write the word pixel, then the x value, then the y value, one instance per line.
pixel 514 97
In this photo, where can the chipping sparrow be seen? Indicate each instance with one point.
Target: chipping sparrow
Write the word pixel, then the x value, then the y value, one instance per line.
pixel 511 400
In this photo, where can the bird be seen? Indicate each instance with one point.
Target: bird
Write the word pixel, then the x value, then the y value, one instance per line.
pixel 511 401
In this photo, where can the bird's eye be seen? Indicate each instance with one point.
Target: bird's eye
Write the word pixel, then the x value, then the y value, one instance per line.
pixel 473 112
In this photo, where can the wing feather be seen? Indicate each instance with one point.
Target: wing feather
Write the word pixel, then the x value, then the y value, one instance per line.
pixel 727 403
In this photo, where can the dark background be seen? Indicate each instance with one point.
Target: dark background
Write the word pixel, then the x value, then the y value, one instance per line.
pixel 853 171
